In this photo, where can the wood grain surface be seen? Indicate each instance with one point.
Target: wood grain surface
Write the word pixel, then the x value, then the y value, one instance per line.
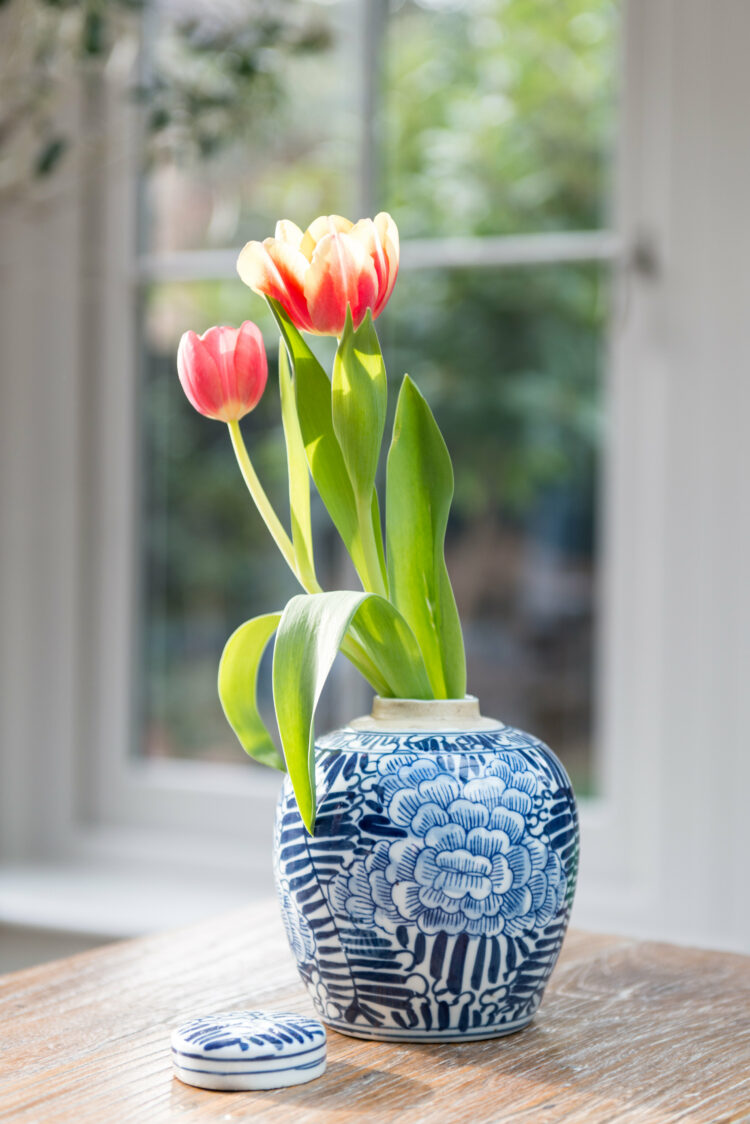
pixel 628 1032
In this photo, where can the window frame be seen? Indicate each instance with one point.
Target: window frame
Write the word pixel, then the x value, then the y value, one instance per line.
pixel 106 802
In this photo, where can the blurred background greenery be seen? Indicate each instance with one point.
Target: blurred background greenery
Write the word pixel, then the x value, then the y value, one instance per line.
pixel 491 118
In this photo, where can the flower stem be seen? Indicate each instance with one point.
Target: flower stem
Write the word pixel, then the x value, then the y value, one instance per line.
pixel 375 581
pixel 261 500
pixel 351 648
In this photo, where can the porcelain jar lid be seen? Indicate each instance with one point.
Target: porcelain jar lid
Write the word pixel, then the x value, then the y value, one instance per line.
pixel 241 1050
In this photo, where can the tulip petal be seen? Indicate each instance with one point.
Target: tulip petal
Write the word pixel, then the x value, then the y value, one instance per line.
pixel 289 232
pixel 340 274
pixel 220 344
pixel 250 364
pixel 276 269
pixel 379 237
pixel 211 341
pixel 366 232
pixel 324 224
pixel 199 375
pixel 387 233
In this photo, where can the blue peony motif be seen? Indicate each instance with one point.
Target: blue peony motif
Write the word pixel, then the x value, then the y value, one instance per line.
pixel 473 859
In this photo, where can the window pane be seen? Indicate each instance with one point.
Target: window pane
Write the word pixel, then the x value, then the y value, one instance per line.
pixel 296 155
pixel 498 115
pixel 511 362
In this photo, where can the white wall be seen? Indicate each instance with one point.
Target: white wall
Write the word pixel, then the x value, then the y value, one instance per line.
pixel 678 596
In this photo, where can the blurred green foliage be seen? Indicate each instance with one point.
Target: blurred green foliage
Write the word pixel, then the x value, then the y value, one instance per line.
pixel 499 120
pixel 215 75
pixel 510 360
pixel 210 75
pixel 499 115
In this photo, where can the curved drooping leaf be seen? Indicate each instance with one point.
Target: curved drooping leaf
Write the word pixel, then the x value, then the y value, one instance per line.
pixel 310 633
pixel 238 676
pixel 299 478
pixel 393 646
pixel 419 489
pixel 313 396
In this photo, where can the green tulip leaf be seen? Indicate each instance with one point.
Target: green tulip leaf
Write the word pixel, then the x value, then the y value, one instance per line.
pixel 419 489
pixel 313 394
pixel 327 465
pixel 299 477
pixel 359 397
pixel 310 633
pixel 238 677
pixel 377 531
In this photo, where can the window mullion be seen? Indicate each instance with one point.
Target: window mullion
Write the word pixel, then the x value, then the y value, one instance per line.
pixel 434 253
pixel 373 16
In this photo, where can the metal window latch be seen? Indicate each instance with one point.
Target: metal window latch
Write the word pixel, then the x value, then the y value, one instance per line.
pixel 643 258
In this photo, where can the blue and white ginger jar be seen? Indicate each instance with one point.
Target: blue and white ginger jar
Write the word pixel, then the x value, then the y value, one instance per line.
pixel 433 898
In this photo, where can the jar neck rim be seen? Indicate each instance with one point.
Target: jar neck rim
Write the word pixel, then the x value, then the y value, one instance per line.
pixel 409 715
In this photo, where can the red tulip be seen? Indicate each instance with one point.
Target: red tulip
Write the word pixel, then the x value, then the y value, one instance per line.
pixel 224 371
pixel 315 276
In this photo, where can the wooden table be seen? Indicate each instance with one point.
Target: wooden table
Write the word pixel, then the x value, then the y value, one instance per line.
pixel 628 1031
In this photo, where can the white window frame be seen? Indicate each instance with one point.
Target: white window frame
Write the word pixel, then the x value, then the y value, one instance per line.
pixel 70 617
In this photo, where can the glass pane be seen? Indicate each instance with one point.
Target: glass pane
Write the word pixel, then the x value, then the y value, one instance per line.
pixel 498 115
pixel 207 560
pixel 296 155
pixel 511 362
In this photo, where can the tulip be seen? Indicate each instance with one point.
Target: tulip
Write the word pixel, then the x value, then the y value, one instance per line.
pixel 224 371
pixel 334 265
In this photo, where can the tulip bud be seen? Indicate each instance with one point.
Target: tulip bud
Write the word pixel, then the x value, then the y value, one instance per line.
pixel 224 371
pixel 333 266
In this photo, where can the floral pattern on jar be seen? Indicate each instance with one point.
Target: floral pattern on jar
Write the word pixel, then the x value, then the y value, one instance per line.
pixel 469 859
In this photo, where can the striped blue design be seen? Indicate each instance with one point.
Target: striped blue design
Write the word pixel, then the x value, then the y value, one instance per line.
pixel 255 1058
pixel 249 1050
pixel 433 898
pixel 229 1067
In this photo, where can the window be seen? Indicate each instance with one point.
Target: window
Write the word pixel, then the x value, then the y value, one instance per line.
pixel 486 128
pixel 662 847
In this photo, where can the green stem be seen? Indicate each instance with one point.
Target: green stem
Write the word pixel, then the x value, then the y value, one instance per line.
pixel 374 579
pixel 261 500
pixel 351 648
